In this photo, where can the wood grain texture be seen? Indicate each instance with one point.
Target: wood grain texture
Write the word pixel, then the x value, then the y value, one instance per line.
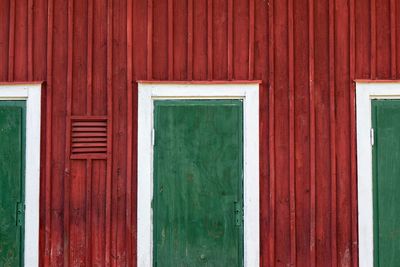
pixel 332 118
pixel 129 142
pixel 271 139
pixel 110 232
pixel 45 238
pixel 191 240
pixel 305 53
pixel 11 45
pixel 312 147
pixel 292 132
pixel 74 236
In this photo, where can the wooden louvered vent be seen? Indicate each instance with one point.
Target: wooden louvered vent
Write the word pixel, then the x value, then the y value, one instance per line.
pixel 89 137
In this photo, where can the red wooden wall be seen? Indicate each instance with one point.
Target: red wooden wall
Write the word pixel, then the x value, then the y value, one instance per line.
pixel 306 52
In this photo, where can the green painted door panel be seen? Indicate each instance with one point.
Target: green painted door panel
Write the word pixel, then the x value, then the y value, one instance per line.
pixel 386 182
pixel 12 120
pixel 198 181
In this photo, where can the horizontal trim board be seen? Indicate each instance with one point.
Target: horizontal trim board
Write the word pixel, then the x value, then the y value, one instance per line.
pixel 362 81
pixel 29 83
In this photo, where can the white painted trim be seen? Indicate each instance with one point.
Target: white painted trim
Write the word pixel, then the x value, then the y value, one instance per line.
pixel 365 92
pixel 32 95
pixel 250 95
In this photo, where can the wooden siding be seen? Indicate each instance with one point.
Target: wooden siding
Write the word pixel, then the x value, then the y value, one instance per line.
pixel 307 54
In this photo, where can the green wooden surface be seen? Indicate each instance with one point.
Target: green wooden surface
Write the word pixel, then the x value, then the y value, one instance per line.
pixel 386 182
pixel 12 146
pixel 198 180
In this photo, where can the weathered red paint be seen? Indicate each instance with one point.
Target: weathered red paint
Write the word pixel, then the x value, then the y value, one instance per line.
pixel 306 53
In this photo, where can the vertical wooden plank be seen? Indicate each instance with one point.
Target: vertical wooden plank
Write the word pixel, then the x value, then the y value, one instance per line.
pixel 99 177
pixel 383 40
pixel 180 42
pixel 48 205
pixel 200 40
pixel 302 114
pixel 67 180
pixel 230 40
pixel 373 40
pixel 88 213
pixel 40 51
pixel 149 39
pixel 130 261
pixel 48 259
pixel 80 57
pixel 332 129
pixel 393 37
pixel 292 181
pixel 30 40
pixel 39 39
pixel 59 115
pixel 251 40
pixel 353 140
pixel 261 71
pixel 190 41
pixel 99 58
pixel 170 39
pixel 4 38
pixel 108 245
pixel 323 145
pixel 89 94
pixel 20 50
pixel 241 36
pixel 11 42
pixel 161 42
pixel 209 39
pixel 342 82
pixel 311 62
pixel 77 235
pixel 271 137
pixel 139 43
pixel 220 37
pixel 363 36
pixel 283 230
pixel 119 237
pixel 302 101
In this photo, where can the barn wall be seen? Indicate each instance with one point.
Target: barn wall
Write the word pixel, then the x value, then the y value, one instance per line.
pixel 307 54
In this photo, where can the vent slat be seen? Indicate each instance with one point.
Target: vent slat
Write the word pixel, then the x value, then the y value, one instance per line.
pixel 89 137
pixel 89 129
pixel 89 145
pixel 83 134
pixel 89 150
pixel 89 124
pixel 88 140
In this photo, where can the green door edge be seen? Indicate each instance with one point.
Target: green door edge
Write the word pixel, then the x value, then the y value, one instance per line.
pixel 22 105
pixel 241 155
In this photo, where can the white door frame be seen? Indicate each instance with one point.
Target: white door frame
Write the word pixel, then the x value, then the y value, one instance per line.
pixel 249 92
pixel 365 93
pixel 31 93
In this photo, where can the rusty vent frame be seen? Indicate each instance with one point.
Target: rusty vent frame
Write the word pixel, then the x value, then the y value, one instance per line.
pixel 88 137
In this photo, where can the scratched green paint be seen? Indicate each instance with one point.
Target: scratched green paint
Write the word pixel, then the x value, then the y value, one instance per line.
pixel 198 180
pixel 386 182
pixel 12 146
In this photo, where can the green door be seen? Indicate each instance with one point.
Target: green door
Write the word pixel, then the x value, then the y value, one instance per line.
pixel 12 139
pixel 198 183
pixel 386 182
